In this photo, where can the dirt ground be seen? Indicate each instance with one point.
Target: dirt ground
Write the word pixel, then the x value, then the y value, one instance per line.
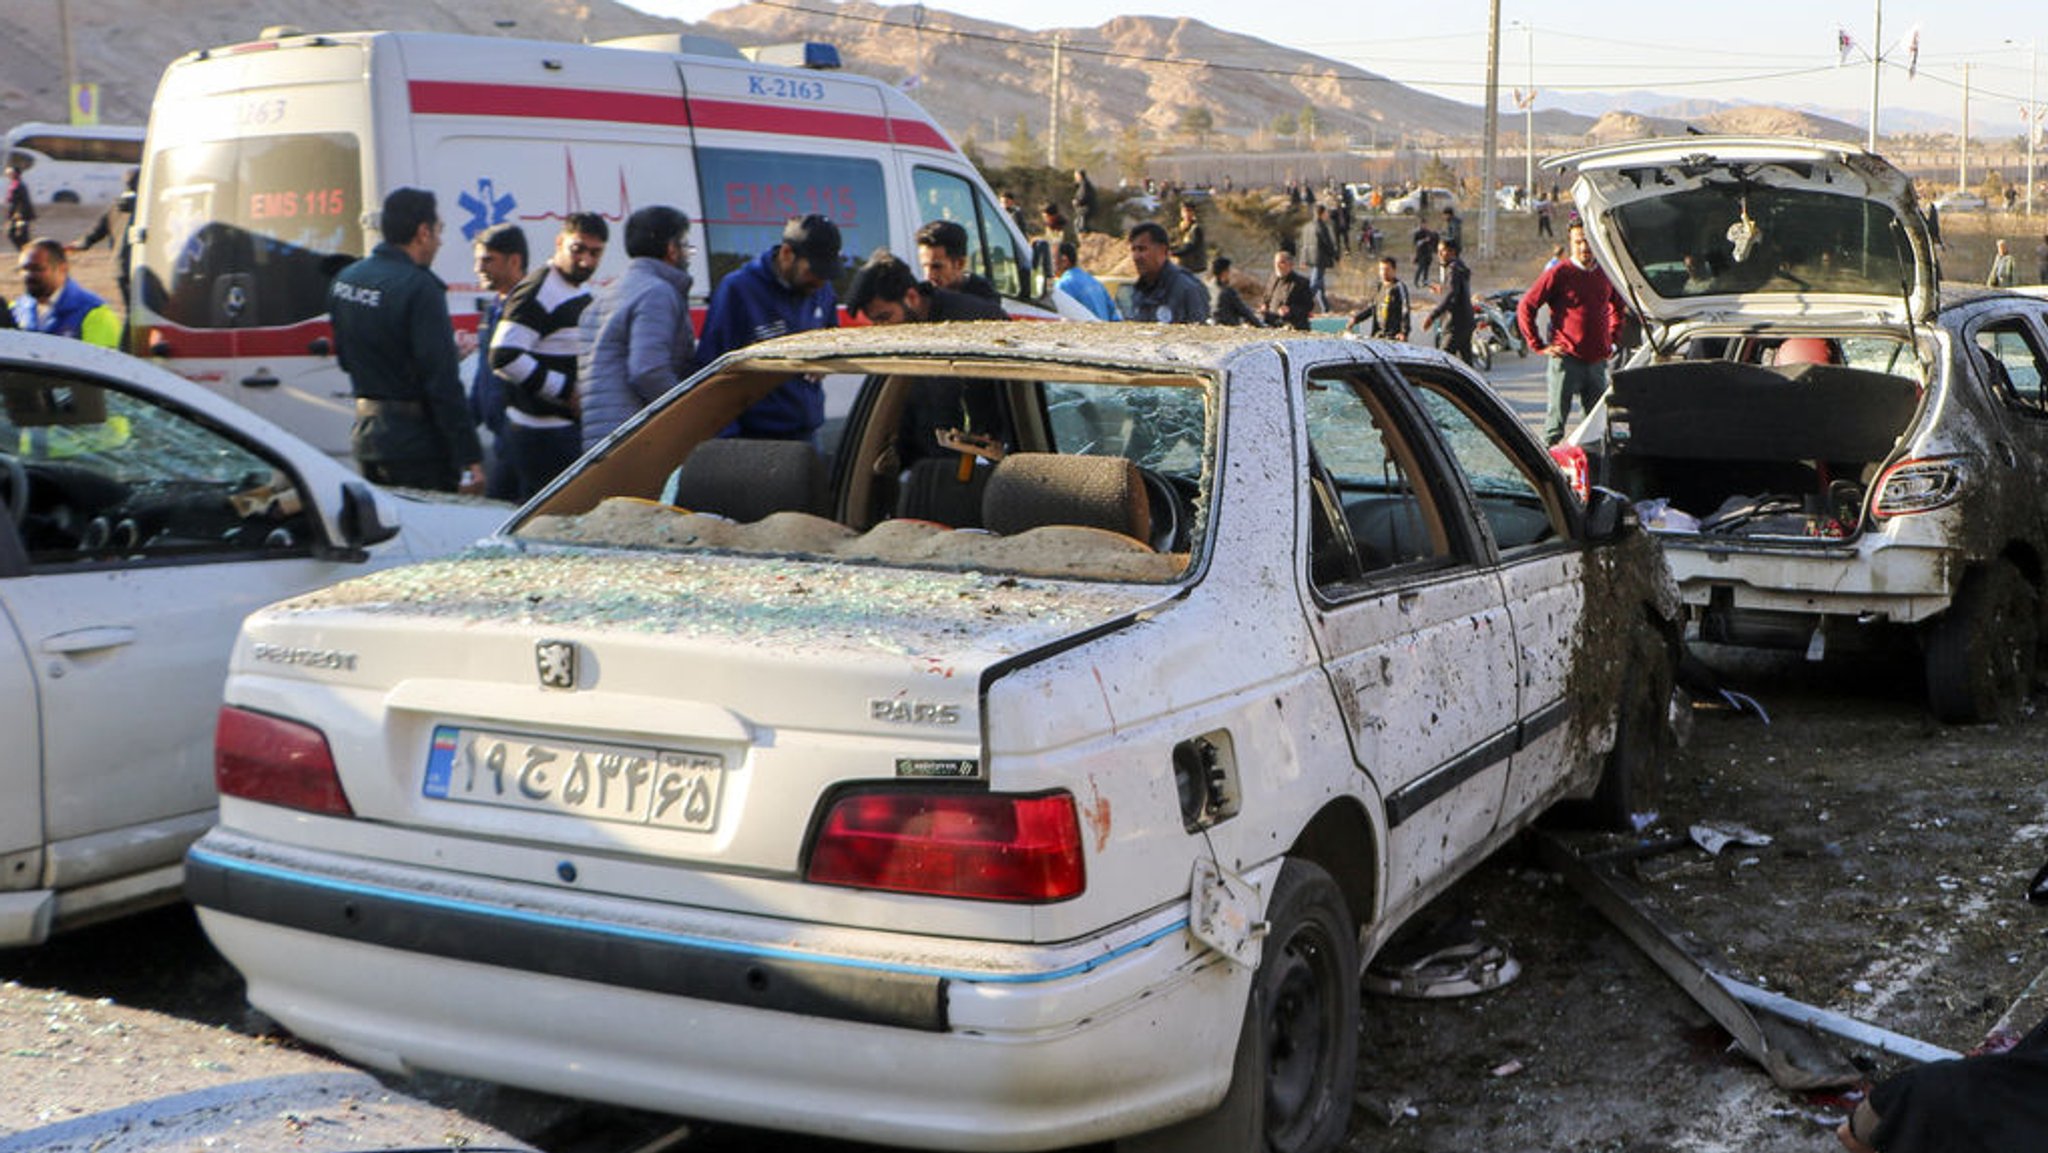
pixel 1893 891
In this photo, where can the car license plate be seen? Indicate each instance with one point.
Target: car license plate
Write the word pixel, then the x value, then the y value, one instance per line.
pixel 631 784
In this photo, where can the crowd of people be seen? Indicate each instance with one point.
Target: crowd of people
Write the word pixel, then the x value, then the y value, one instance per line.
pixel 561 361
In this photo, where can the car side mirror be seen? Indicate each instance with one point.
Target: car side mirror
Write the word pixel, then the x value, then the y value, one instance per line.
pixel 1609 515
pixel 360 522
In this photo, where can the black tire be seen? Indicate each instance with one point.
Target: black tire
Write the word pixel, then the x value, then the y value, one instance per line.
pixel 1306 991
pixel 1981 653
pixel 1632 780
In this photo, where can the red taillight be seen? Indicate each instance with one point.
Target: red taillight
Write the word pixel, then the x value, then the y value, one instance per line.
pixel 279 762
pixel 1571 460
pixel 1919 485
pixel 987 847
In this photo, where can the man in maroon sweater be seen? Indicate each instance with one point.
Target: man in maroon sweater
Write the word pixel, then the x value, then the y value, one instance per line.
pixel 1585 318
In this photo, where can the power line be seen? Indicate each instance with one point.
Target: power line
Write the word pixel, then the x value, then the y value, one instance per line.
pixel 1357 74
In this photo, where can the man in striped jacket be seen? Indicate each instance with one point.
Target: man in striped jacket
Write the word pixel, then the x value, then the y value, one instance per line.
pixel 534 353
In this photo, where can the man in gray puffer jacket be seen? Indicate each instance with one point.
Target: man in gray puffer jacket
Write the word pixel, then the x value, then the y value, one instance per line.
pixel 637 339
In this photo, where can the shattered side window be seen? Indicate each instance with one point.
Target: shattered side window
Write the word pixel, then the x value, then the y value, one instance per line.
pixel 1518 509
pixel 2012 366
pixel 1157 428
pixel 1376 510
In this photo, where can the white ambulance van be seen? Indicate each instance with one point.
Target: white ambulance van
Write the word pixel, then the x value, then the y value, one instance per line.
pixel 267 162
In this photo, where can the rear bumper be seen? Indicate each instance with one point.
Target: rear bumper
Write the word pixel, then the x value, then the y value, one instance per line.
pixel 937 1044
pixel 1873 580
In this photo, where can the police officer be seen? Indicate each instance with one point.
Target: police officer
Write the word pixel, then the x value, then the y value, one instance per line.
pixel 393 338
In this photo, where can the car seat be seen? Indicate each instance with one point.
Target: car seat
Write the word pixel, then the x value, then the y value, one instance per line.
pixel 1030 490
pixel 933 491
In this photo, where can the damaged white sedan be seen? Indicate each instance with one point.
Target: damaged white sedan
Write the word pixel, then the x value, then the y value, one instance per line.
pixel 1034 760
pixel 1836 450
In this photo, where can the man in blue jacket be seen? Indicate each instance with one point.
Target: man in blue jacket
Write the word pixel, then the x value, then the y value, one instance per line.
pixel 53 302
pixel 786 289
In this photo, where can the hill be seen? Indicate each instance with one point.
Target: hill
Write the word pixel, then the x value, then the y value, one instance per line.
pixel 1735 120
pixel 980 78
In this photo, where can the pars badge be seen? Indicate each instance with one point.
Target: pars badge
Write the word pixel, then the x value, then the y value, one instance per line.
pixel 555 661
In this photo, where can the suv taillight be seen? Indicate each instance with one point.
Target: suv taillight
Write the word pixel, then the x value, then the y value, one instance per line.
pixel 1912 486
pixel 276 761
pixel 1570 460
pixel 983 846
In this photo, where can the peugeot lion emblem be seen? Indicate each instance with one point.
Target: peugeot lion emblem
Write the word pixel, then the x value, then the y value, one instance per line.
pixel 556 663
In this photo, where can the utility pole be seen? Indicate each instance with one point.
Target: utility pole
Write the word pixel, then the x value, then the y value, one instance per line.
pixel 917 24
pixel 2033 112
pixel 1052 146
pixel 1486 180
pixel 70 63
pixel 1876 71
pixel 1527 102
pixel 1963 141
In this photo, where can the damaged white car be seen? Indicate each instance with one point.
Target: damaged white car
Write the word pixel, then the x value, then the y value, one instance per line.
pixel 141 517
pixel 1035 761
pixel 1835 450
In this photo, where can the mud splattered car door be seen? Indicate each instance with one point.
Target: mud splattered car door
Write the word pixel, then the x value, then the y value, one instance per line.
pixel 1522 507
pixel 1411 623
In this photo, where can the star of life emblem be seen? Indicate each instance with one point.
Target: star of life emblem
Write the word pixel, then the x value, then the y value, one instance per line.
pixel 555 661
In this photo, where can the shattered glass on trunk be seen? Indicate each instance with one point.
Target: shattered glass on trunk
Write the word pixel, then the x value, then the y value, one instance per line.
pixel 757 600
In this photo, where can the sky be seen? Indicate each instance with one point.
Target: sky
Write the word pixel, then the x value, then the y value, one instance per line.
pixel 1765 51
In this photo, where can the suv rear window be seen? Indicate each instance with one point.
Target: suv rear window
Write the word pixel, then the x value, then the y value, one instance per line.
pixel 1806 241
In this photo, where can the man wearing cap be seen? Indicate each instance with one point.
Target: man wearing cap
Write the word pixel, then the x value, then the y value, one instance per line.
pixel 786 289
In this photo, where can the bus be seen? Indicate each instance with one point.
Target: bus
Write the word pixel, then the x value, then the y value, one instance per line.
pixel 67 164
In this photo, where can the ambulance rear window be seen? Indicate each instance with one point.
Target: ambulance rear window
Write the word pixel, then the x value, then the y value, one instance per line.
pixel 749 195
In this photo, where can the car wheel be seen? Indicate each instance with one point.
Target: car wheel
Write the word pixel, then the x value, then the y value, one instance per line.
pixel 1307 992
pixel 1981 652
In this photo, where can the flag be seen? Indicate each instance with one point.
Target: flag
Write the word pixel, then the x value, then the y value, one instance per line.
pixel 1844 44
pixel 1913 53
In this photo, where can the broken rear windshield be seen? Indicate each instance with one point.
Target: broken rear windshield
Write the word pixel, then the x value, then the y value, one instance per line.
pixel 1032 469
pixel 1723 239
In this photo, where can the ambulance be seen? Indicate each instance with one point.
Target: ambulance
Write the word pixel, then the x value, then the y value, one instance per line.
pixel 267 161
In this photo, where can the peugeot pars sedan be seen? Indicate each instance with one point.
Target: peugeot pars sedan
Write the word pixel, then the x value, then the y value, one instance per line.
pixel 1836 450
pixel 140 519
pixel 1034 760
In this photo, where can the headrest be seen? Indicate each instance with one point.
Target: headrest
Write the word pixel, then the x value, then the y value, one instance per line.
pixel 1032 489
pixel 749 479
